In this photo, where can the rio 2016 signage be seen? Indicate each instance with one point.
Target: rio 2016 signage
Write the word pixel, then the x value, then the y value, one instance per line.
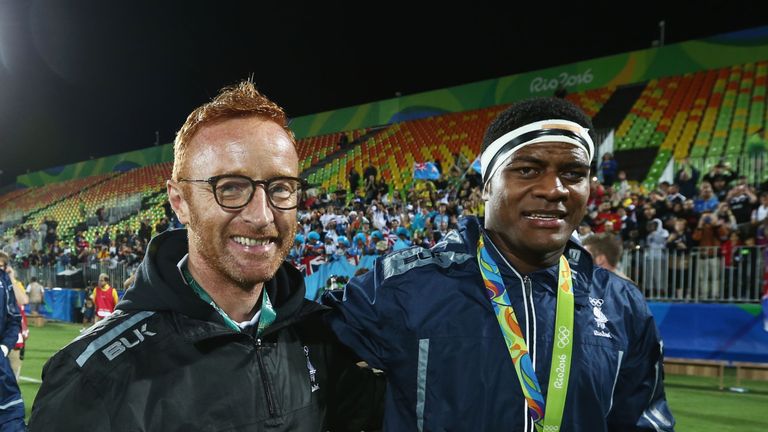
pixel 563 80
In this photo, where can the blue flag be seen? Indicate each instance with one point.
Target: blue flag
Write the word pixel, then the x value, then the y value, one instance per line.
pixel 425 171
pixel 764 300
pixel 477 166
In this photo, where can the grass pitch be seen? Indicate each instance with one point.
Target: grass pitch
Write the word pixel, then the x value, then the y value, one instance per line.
pixel 696 403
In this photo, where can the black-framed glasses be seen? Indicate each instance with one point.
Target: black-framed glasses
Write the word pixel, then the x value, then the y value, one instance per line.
pixel 236 191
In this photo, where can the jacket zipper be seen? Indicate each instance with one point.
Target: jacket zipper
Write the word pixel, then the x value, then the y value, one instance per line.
pixel 530 338
pixel 528 288
pixel 264 381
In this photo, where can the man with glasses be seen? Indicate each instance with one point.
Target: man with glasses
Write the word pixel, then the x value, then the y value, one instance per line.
pixel 215 333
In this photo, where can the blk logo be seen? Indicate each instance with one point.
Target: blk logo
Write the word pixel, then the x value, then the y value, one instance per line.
pixel 121 345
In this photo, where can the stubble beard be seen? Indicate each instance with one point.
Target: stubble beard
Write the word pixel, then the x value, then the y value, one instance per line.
pixel 216 255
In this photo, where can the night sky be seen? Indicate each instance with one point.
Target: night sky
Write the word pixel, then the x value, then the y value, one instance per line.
pixel 82 79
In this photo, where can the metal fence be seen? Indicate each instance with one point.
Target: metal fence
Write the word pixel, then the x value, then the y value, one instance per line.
pixel 702 275
pixel 79 276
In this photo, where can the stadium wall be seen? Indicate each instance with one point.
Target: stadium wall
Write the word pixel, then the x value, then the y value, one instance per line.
pixel 115 163
pixel 621 69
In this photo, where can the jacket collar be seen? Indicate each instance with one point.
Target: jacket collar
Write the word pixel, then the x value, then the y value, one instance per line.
pixel 580 261
pixel 159 286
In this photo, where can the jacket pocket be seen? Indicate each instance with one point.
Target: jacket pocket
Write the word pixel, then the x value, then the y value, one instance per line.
pixel 601 361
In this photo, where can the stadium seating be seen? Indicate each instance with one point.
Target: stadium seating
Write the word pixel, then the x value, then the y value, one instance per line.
pixel 100 191
pixel 311 150
pixel 592 101
pixel 35 201
pixel 395 150
pixel 706 114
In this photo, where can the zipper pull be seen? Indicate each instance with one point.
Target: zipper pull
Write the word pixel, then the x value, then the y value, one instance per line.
pixel 314 385
pixel 528 285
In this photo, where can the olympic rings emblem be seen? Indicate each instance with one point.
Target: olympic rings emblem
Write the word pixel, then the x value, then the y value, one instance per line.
pixel 596 302
pixel 563 337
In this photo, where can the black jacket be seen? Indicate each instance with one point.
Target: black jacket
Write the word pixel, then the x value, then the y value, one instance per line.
pixel 165 361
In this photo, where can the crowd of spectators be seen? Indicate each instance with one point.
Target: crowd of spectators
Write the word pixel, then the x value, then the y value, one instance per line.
pixel 688 229
pixel 42 246
pixel 373 219
pixel 715 215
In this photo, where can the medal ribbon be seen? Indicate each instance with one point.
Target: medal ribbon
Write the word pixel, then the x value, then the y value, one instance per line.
pixel 518 349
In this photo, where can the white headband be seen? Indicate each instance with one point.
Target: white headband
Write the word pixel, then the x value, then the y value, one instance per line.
pixel 541 131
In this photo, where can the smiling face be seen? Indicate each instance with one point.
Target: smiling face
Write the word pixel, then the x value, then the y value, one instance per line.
pixel 244 246
pixel 535 201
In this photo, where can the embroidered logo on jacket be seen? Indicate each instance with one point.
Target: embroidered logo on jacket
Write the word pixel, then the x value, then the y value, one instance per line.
pixel 600 318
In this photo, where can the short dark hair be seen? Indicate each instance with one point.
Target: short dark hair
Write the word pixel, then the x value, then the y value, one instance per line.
pixel 605 244
pixel 533 110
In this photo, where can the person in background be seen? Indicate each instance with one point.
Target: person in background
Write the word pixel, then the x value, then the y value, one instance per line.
pixel 687 177
pixel 89 312
pixel 145 231
pixel 674 195
pixel 606 251
pixel 609 168
pixel 720 175
pixel 621 186
pixel 129 281
pixel 104 298
pixel 584 232
pixel 354 181
pixel 466 331
pixel 16 356
pixel 656 263
pixel 36 296
pixel 709 233
pixel 742 200
pixel 11 403
pixel 679 245
pixel 761 212
pixel 705 201
pixel 162 225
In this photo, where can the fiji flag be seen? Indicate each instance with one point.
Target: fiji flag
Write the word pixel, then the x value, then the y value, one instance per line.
pixel 425 171
pixel 311 264
pixel 477 166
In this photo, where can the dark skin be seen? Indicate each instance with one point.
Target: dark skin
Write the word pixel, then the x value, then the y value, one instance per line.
pixel 535 201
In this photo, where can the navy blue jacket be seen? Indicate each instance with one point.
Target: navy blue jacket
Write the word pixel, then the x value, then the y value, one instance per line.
pixel 11 405
pixel 424 318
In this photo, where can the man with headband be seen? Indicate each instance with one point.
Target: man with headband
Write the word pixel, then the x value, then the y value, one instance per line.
pixel 507 324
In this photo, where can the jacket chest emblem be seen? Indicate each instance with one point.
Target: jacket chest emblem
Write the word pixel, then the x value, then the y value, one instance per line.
pixel 600 318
